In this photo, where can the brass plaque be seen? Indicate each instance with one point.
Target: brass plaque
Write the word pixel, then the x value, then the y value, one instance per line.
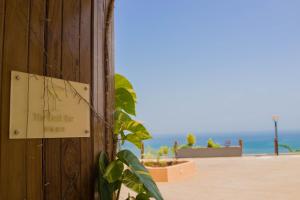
pixel 45 107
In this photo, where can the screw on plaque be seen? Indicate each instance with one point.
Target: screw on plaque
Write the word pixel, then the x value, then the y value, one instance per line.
pixel 17 77
pixel 86 132
pixel 16 132
pixel 85 88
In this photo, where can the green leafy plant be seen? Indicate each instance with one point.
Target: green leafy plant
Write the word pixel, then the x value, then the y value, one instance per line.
pixel 154 156
pixel 212 144
pixel 289 148
pixel 191 139
pixel 150 153
pixel 125 126
pixel 163 151
pixel 126 169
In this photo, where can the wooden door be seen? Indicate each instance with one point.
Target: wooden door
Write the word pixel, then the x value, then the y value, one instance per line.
pixel 65 39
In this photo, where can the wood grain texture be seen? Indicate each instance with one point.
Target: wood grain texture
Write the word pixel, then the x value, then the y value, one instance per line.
pixel 71 154
pixel 86 168
pixel 2 20
pixel 100 78
pixel 109 81
pixel 52 147
pixel 98 84
pixel 64 39
pixel 15 56
pixel 34 173
pixel 97 88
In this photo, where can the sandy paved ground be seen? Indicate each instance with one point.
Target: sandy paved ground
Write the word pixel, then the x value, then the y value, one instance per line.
pixel 245 178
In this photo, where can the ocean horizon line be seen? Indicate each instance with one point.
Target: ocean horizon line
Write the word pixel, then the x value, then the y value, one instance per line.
pixel 259 132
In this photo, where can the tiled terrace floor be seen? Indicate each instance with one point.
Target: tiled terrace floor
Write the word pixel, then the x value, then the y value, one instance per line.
pixel 244 178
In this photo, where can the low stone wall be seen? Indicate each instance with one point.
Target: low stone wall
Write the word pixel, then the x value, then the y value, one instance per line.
pixel 173 173
pixel 234 151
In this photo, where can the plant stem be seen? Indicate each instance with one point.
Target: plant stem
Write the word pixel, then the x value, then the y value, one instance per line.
pixel 119 191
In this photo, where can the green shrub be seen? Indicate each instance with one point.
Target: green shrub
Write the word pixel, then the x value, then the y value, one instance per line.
pixel 150 153
pixel 212 144
pixel 191 139
pixel 164 150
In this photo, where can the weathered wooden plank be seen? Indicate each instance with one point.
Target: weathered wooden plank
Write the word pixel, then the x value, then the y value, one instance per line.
pixel 98 72
pixel 109 74
pixel 95 127
pixel 15 56
pixel 52 147
pixel 2 20
pixel 34 152
pixel 98 77
pixel 63 169
pixel 71 154
pixel 87 169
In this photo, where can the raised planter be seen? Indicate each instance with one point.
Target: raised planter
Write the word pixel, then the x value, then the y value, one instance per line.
pixel 234 151
pixel 173 173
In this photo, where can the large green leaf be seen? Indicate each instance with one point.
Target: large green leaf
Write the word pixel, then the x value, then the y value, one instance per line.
pixel 134 139
pixel 103 162
pixel 132 181
pixel 121 121
pixel 124 101
pixel 137 133
pixel 116 185
pixel 104 188
pixel 137 128
pixel 141 172
pixel 123 82
pixel 114 171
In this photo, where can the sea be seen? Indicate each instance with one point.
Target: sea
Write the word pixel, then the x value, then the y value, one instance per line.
pixel 260 142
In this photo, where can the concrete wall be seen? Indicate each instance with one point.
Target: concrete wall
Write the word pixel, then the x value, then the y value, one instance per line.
pixel 210 152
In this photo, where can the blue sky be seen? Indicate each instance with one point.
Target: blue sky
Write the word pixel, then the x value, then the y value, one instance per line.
pixel 211 65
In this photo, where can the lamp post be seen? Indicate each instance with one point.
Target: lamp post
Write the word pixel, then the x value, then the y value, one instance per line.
pixel 276 119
